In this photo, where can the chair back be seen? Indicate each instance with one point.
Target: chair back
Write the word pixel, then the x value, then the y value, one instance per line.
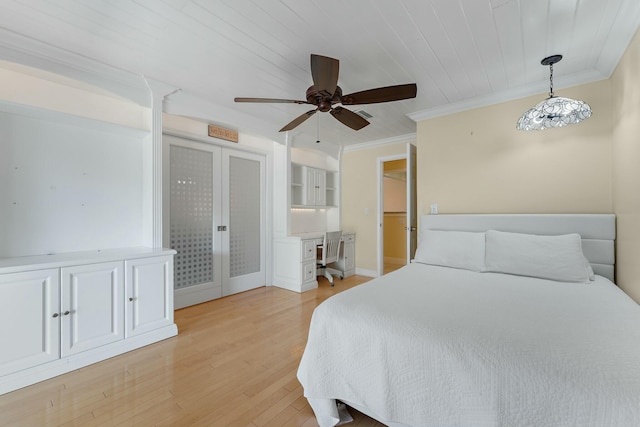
pixel 331 246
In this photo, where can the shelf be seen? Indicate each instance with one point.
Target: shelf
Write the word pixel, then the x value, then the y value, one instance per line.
pixel 313 207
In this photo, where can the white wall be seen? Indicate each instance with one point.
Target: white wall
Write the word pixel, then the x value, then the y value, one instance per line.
pixel 69 180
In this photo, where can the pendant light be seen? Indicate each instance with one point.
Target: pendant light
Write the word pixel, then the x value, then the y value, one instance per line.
pixel 555 111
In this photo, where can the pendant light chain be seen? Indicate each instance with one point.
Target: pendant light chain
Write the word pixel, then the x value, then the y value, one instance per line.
pixel 551 80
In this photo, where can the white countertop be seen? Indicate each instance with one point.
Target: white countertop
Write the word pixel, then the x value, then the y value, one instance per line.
pixel 315 234
pixel 40 262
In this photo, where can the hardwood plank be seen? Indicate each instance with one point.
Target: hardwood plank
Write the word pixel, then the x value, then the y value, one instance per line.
pixel 233 363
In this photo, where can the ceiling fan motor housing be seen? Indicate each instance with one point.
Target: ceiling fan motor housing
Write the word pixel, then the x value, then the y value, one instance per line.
pixel 323 100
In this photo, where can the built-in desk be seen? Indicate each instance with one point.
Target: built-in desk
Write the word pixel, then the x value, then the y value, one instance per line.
pixel 295 259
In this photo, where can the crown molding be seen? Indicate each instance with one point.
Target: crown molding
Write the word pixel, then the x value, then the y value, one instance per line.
pixel 400 139
pixel 508 95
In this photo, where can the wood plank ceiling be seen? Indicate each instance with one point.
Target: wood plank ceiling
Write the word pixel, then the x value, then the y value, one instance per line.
pixel 461 53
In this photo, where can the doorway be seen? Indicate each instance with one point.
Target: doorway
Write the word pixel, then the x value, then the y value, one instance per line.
pixel 214 217
pixel 397 234
pixel 394 221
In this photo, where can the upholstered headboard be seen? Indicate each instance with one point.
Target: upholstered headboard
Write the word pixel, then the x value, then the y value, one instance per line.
pixel 598 231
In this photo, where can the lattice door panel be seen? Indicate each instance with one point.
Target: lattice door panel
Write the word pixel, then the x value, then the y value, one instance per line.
pixel 191 215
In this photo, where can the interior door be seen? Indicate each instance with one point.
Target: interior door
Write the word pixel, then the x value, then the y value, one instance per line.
pixel 216 220
pixel 243 214
pixel 412 217
pixel 192 215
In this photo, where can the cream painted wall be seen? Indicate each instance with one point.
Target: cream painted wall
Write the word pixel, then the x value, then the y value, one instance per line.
pixel 477 162
pixel 359 195
pixel 625 86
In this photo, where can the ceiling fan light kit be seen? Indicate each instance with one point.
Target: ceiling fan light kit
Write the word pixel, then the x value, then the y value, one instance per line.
pixel 555 111
pixel 325 94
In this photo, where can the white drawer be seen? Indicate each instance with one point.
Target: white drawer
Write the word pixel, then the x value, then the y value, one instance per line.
pixel 308 271
pixel 308 250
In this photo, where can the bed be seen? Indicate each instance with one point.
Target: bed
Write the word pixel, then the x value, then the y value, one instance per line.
pixel 502 320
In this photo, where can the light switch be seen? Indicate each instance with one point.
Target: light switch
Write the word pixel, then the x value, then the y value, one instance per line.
pixel 434 209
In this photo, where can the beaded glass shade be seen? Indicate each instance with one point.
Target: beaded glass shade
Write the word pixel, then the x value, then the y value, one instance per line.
pixel 555 111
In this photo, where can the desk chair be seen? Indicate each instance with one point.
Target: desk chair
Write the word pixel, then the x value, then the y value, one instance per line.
pixel 327 253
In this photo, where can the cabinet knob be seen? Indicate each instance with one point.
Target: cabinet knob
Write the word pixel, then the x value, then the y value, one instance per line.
pixel 131 299
pixel 66 313
pixel 55 315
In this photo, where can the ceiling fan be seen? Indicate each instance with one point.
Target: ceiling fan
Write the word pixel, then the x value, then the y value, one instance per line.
pixel 325 93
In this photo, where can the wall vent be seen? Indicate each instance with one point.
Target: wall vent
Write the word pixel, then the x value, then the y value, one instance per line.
pixel 363 113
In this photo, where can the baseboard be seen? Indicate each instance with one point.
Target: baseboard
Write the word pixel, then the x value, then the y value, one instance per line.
pixel 365 272
pixel 61 366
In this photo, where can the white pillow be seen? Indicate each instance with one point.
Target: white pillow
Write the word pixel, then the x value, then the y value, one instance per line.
pixel 457 249
pixel 549 257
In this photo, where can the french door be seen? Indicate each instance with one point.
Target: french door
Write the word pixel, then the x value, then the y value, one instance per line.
pixel 214 218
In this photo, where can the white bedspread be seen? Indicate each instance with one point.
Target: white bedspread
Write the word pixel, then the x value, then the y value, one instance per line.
pixel 436 346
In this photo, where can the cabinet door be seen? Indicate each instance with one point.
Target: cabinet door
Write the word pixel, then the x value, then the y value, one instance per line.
pixel 30 334
pixel 92 306
pixel 349 256
pixel 321 187
pixel 149 290
pixel 314 186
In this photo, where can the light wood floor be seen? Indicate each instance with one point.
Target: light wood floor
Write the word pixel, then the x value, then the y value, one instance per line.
pixel 233 363
pixel 389 267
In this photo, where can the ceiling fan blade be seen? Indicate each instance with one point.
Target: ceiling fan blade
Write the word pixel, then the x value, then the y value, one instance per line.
pixel 349 118
pixel 381 94
pixel 295 122
pixel 270 100
pixel 324 71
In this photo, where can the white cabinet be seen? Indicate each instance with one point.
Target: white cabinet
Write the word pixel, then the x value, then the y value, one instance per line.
pixel 149 290
pixel 30 315
pixel 295 260
pixel 313 187
pixel 91 309
pixel 347 257
pixel 295 263
pixel 309 249
pixel 65 311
